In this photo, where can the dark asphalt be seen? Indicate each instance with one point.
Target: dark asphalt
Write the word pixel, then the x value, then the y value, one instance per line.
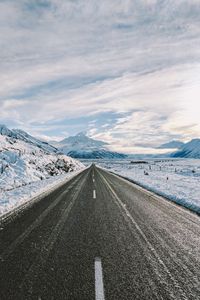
pixel 148 246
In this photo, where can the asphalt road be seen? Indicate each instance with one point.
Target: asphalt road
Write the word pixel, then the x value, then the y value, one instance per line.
pixel 100 237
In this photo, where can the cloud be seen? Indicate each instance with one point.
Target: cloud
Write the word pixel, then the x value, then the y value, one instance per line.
pixel 68 59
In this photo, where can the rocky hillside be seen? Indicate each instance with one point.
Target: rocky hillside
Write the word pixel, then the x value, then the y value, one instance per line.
pixel 24 159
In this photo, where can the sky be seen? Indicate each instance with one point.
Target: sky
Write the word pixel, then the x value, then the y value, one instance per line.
pixel 125 71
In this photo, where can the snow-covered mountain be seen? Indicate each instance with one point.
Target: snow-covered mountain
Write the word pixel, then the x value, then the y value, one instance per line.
pixel 183 150
pixel 24 159
pixel 172 145
pixel 82 146
pixel 81 142
pixel 189 150
pixel 95 154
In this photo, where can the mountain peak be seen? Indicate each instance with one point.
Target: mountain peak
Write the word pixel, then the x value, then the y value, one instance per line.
pixel 82 146
pixel 82 134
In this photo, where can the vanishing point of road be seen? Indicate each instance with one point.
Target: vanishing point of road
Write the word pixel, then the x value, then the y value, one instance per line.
pixel 100 237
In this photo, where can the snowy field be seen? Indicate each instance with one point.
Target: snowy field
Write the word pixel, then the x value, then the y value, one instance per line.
pixel 177 179
pixel 9 200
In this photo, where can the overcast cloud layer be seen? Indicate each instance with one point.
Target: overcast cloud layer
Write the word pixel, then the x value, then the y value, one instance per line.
pixel 128 72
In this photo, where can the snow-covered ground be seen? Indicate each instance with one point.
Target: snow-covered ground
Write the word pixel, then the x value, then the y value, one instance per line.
pixel 18 196
pixel 29 166
pixel 178 179
pixel 22 163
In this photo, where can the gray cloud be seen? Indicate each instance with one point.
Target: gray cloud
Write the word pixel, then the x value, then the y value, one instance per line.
pixel 109 56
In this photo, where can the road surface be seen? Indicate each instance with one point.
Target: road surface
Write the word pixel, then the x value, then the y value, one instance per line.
pixel 100 237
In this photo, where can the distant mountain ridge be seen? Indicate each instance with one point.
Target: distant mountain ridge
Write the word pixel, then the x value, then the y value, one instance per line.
pixel 81 141
pixel 95 154
pixel 189 150
pixel 172 145
pixel 81 146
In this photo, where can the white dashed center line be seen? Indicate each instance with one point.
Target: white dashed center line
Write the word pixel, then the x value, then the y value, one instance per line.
pixel 99 288
pixel 94 194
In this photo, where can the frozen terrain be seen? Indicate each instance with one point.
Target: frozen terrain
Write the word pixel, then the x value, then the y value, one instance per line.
pixel 28 165
pixel 176 179
pixel 21 195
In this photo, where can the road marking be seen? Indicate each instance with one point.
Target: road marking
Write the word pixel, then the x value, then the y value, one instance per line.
pixel 99 288
pixel 121 205
pixel 93 180
pixel 94 194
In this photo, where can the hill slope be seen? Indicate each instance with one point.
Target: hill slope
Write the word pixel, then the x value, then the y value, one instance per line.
pixel 189 150
pixel 172 145
pixel 24 159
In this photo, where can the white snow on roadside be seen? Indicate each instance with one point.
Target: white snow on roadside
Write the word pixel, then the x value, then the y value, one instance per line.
pixel 28 167
pixel 9 200
pixel 177 179
pixel 22 163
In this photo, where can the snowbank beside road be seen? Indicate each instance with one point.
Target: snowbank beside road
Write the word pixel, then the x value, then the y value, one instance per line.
pixel 12 199
pixel 177 180
pixel 22 163
pixel 29 166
